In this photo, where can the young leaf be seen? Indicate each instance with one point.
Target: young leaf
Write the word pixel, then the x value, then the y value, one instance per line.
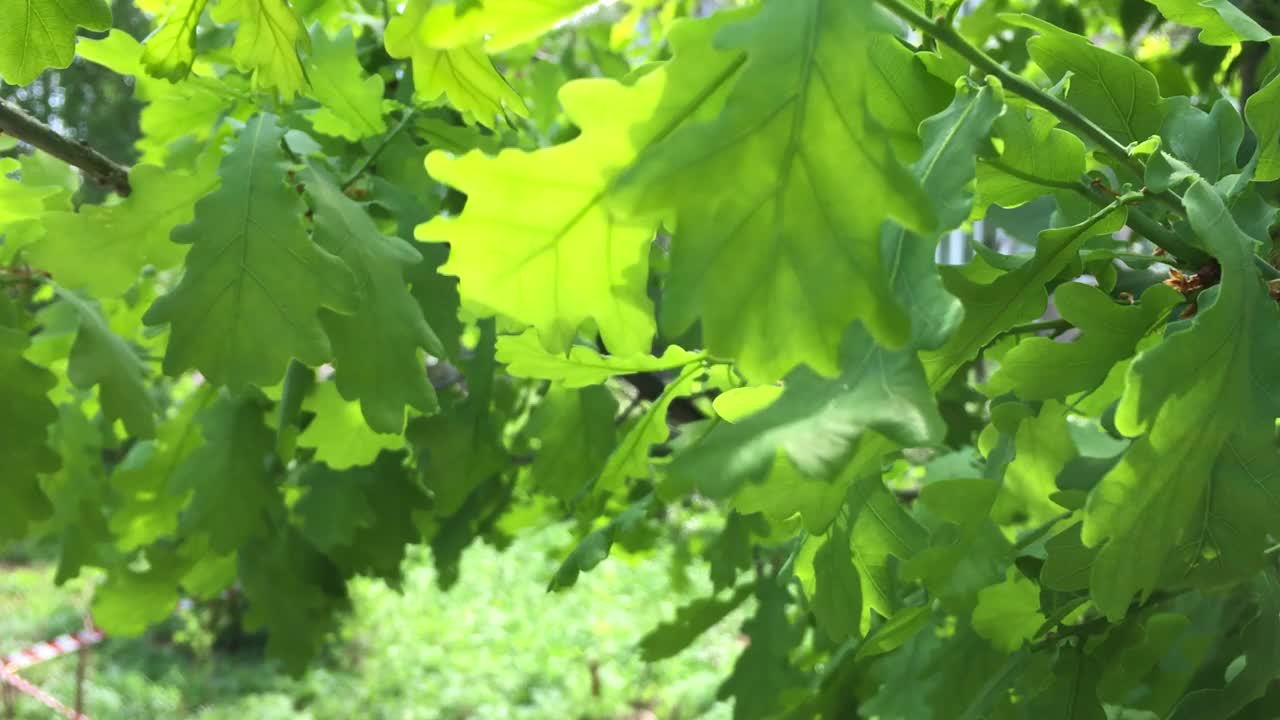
pixel 500 24
pixel 170 50
pixel 805 262
pixel 1202 401
pixel 267 43
pixel 1008 614
pixel 630 459
pixel 525 357
pixel 339 434
pixel 352 100
pixel 569 258
pixel 39 34
pixel 464 74
pixel 103 248
pixel 378 347
pixel 254 283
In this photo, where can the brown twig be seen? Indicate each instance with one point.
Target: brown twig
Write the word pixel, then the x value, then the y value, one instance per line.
pixel 100 168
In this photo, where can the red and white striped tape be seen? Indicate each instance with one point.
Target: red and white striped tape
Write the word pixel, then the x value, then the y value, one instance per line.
pixel 50 649
pixel 21 685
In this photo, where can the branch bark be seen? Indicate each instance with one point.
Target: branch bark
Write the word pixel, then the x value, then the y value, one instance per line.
pixel 98 167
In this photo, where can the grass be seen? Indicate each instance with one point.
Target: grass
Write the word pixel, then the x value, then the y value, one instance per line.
pixel 496 646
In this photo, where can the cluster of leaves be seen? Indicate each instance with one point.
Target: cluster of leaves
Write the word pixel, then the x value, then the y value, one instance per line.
pixel 367 292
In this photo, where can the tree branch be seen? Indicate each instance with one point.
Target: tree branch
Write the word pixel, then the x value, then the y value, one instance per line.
pixel 943 32
pixel 100 168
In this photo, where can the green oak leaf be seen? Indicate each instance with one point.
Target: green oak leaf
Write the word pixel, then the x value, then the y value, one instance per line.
pixel 464 74
pixel 500 24
pixel 525 357
pixel 1042 446
pixel 20 201
pixel 737 403
pixel 267 43
pixel 967 552
pixel 1014 297
pixel 1263 113
pixel 334 507
pixel 1259 645
pixel 1114 91
pixel 630 459
pixel 78 493
pixel 946 171
pixel 816 421
pixel 132 600
pixel 1208 142
pixel 1039 368
pixel 804 262
pixel 103 248
pixel 1038 157
pixel 592 549
pixel 1220 22
pixel 577 432
pixel 169 51
pixel 146 510
pixel 227 477
pixel 396 501
pixel 536 242
pixel 832 583
pixel 339 434
pixel 668 639
pixel 254 284
pixel 378 347
pixel 763 675
pixel 26 413
pixel 351 100
pixel 39 34
pixel 1073 694
pixel 460 448
pixel 1008 614
pixel 1203 401
pixel 100 357
pixel 192 108
pixel 294 592
pixel 896 631
pixel 1068 562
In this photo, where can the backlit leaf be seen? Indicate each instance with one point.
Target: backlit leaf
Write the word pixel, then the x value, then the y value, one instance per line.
pixel 794 128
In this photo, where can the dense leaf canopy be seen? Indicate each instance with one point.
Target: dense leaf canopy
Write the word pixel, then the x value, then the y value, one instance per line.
pixel 959 318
